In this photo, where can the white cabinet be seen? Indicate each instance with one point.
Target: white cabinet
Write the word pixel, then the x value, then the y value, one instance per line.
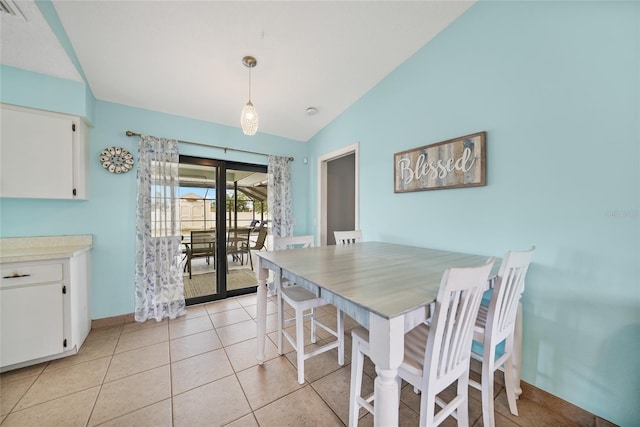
pixel 42 154
pixel 44 309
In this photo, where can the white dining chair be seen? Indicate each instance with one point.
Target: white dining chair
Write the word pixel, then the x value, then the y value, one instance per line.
pixel 304 303
pixel 496 324
pixel 347 237
pixel 435 355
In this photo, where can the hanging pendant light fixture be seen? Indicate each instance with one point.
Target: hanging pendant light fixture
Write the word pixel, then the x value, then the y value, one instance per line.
pixel 249 116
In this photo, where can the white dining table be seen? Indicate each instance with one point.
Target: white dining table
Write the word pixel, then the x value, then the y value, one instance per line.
pixel 387 288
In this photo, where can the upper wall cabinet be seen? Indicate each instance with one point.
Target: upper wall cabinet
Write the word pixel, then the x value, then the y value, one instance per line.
pixel 42 154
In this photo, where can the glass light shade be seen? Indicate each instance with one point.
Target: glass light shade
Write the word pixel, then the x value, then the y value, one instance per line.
pixel 249 119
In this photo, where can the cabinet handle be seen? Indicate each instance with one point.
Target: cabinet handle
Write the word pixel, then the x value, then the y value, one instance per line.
pixel 15 276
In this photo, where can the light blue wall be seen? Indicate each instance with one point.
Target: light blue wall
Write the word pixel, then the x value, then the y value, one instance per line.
pixel 556 87
pixel 44 92
pixel 109 214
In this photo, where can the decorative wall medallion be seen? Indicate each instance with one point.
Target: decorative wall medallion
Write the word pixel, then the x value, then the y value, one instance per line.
pixel 116 160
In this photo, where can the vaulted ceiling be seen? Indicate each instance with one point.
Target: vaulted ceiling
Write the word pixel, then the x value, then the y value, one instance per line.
pixel 185 57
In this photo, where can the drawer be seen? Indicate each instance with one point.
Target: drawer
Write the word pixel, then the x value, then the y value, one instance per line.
pixel 31 273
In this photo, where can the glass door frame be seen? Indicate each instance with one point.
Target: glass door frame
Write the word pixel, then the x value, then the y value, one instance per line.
pixel 221 223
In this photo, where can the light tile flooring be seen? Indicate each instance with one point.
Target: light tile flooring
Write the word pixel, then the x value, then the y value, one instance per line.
pixel 201 370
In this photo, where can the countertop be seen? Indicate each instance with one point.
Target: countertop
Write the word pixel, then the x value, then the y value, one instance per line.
pixel 20 249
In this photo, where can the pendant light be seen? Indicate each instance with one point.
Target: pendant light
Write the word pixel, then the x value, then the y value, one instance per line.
pixel 249 116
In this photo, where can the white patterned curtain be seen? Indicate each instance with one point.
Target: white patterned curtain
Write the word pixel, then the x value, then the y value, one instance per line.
pixel 159 282
pixel 279 196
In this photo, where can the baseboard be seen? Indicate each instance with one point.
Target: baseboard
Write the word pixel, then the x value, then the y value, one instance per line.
pixel 562 407
pixel 112 321
pixel 554 403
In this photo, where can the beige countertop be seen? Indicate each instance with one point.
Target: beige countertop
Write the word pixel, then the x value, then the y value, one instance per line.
pixel 19 249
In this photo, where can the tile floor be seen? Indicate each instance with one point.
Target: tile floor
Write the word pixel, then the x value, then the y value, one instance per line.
pixel 200 370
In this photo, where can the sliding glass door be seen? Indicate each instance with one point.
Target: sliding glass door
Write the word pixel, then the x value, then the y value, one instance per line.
pixel 222 210
pixel 246 200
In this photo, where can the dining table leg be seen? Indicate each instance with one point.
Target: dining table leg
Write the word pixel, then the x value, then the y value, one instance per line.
pixel 386 346
pixel 261 309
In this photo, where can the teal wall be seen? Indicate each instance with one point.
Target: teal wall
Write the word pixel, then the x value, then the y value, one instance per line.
pixel 556 87
pixel 109 213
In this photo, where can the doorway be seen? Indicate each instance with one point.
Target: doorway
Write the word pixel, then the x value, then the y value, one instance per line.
pixel 223 209
pixel 338 207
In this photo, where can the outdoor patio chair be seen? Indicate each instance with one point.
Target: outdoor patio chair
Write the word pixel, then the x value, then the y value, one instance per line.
pixel 202 245
pixel 238 244
pixel 257 246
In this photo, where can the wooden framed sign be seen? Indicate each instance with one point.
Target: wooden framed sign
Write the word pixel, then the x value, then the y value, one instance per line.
pixel 458 162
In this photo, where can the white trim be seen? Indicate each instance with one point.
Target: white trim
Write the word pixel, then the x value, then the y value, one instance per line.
pixel 322 186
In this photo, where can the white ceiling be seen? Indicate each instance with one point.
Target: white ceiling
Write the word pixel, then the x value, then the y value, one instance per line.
pixel 185 57
pixel 31 45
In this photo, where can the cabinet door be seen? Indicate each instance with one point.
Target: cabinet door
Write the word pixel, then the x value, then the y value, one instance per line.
pixel 31 322
pixel 36 154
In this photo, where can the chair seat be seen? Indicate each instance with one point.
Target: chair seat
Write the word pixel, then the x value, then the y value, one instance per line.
pixel 415 343
pixel 299 294
pixel 303 300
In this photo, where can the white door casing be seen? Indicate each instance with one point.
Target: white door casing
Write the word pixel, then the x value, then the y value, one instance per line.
pixel 322 188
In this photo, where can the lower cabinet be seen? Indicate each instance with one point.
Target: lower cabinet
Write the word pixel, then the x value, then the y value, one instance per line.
pixel 44 310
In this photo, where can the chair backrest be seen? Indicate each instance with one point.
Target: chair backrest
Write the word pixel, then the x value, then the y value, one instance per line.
pixel 503 307
pixel 237 238
pixel 347 237
pixel 202 242
pixel 448 350
pixel 291 242
pixel 262 237
pixel 239 233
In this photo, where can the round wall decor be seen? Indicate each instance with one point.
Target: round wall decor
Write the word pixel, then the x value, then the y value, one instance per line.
pixel 116 160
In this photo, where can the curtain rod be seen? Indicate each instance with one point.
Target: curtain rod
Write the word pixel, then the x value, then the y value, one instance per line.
pixel 130 133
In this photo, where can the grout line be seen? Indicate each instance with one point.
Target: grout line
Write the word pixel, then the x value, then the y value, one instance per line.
pixel 235 374
pixel 60 396
pixel 27 390
pixel 104 377
pixel 325 402
pixel 135 410
pixel 252 366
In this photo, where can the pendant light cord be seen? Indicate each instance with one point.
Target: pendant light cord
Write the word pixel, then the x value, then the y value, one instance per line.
pixel 249 84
